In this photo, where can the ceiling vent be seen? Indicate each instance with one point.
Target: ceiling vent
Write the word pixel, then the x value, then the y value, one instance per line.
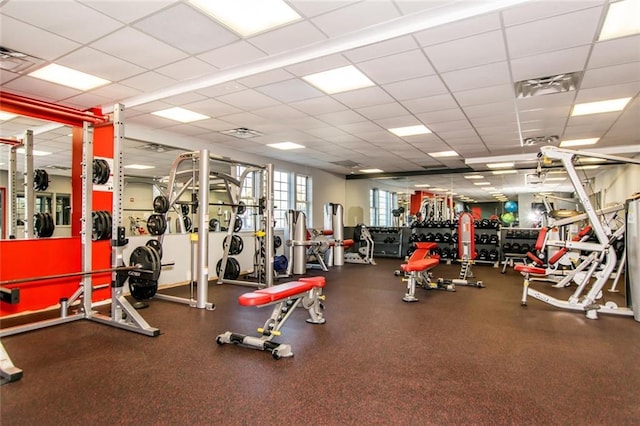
pixel 242 133
pixel 540 140
pixel 14 61
pixel 154 147
pixel 347 163
pixel 547 85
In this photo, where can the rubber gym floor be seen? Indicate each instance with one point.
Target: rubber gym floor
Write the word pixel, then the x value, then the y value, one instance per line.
pixel 472 357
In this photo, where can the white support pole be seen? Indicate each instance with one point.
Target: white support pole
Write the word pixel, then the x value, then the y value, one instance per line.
pixel 203 231
pixel 12 194
pixel 87 221
pixel 269 226
pixel 29 197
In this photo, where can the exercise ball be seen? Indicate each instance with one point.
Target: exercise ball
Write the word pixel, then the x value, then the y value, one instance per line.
pixel 508 218
pixel 511 207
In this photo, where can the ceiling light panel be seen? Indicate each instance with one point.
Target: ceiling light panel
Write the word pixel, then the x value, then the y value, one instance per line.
pixel 578 142
pixel 180 114
pixel 622 20
pixel 443 154
pixel 285 146
pixel 339 80
pixel 499 165
pixel 599 107
pixel 248 17
pixel 138 167
pixel 36 153
pixel 371 171
pixel 474 177
pixel 410 131
pixel 68 77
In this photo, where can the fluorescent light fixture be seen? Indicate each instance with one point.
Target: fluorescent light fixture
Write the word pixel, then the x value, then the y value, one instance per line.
pixel 482 183
pixel 589 167
pixel 339 80
pixel 599 107
pixel 138 167
pixel 556 172
pixel 285 145
pixel 622 20
pixel 180 114
pixel 415 130
pixel 439 189
pixel 555 178
pixel 68 77
pixel 474 177
pixel 578 142
pixel 504 172
pixel 443 154
pixel 371 171
pixel 248 17
pixel 487 188
pixel 500 165
pixel 34 152
pixel 590 160
pixel 4 116
pixel 422 185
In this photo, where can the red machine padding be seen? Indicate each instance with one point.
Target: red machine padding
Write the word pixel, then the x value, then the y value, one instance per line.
pixel 584 231
pixel 419 265
pixel 281 291
pixel 541 237
pixel 427 246
pixel 558 255
pixel 347 243
pixel 327 232
pixel 530 269
pixel 535 259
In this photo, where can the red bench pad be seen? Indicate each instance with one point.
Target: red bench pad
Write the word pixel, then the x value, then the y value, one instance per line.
pixel 281 291
pixel 347 243
pixel 530 270
pixel 420 265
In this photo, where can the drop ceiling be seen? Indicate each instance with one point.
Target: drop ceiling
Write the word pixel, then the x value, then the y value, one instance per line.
pixel 457 78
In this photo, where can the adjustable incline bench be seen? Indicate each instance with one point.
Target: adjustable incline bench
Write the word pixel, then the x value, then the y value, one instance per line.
pixel 286 297
pixel 418 271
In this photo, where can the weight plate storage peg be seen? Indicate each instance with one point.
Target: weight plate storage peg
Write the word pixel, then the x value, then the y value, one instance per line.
pixel 156 224
pixel 160 204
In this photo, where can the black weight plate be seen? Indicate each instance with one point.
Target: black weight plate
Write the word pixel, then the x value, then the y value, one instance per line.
pixel 277 241
pixel 102 225
pixel 213 223
pixel 106 171
pixel 97 172
pixel 187 223
pixel 95 225
pixel 110 223
pixel 155 244
pixel 241 207
pixel 156 263
pixel 237 226
pixel 160 204
pixel 232 269
pixel 235 246
pixel 184 208
pixel 156 224
pixel 38 224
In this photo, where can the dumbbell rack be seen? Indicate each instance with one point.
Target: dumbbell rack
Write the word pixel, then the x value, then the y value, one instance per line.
pixel 488 240
pixel 390 241
pixel 516 242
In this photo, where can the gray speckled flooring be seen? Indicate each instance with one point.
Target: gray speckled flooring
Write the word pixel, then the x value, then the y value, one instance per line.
pixel 470 357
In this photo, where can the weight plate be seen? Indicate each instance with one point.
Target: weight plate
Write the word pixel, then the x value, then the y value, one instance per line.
pixel 277 241
pixel 160 204
pixel 237 226
pixel 156 224
pixel 155 244
pixel 235 246
pixel 213 224
pixel 184 208
pixel 241 208
pixel 187 223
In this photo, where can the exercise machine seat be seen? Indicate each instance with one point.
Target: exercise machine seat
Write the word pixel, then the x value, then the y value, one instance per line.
pixel 530 269
pixel 419 265
pixel 281 291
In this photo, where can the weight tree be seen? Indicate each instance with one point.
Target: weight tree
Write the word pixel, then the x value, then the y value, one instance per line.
pixel 198 175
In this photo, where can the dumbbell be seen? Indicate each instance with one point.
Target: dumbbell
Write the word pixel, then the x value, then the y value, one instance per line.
pixel 515 248
pixel 427 237
pixel 446 238
pixel 437 238
pixel 495 223
pixel 476 238
pixel 484 238
pixel 493 255
pixel 454 237
pixel 413 238
pixel 485 223
pixel 483 255
pixel 493 239
pixel 445 253
pixel 506 247
pixel 524 249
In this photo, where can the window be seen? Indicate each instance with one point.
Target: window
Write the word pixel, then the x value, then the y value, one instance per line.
pixel 303 199
pixel 382 203
pixel 43 205
pixel 280 198
pixel 373 206
pixel 63 209
pixel 248 195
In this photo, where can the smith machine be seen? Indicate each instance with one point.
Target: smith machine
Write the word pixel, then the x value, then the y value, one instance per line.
pixel 143 269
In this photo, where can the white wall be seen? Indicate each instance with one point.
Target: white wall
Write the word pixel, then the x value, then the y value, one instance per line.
pixel 618 183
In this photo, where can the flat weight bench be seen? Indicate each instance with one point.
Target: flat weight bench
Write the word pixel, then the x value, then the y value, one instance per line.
pixel 306 292
pixel 417 271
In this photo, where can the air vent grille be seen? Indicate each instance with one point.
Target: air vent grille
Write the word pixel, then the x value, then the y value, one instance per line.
pixel 242 133
pixel 547 85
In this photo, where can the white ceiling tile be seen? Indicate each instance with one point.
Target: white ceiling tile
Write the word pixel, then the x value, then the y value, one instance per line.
pixel 248 100
pixel 212 108
pixel 416 88
pixel 531 11
pixel 383 48
pixel 458 29
pixel 326 132
pixel 363 97
pixel 40 44
pixel 317 106
pixel 447 126
pixel 186 69
pixel 619 74
pixel 608 92
pixel 478 50
pixel 402 66
pixel 355 16
pixel 393 109
pixel 449 136
pixel 484 95
pixel 566 33
pixel 184 98
pixel 138 48
pixel 596 124
pixel 546 101
pixel 439 116
pixel 312 8
pixel 304 123
pixel 431 103
pixel 340 117
pixel 290 90
pixel 265 78
pixel 222 89
pixel 34 87
pixel 402 120
pixel 71 20
pixel 7 76
pixel 148 81
pixel 362 127
pixel 237 53
pixel 86 101
pixel 99 64
pixel 490 120
pixel 287 38
pixel 477 77
pixel 552 63
pixel 188 130
pixel 245 119
pixel 116 92
pixel 185 28
pixel 279 113
pixel 133 11
pixel 614 52
pixel 214 125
